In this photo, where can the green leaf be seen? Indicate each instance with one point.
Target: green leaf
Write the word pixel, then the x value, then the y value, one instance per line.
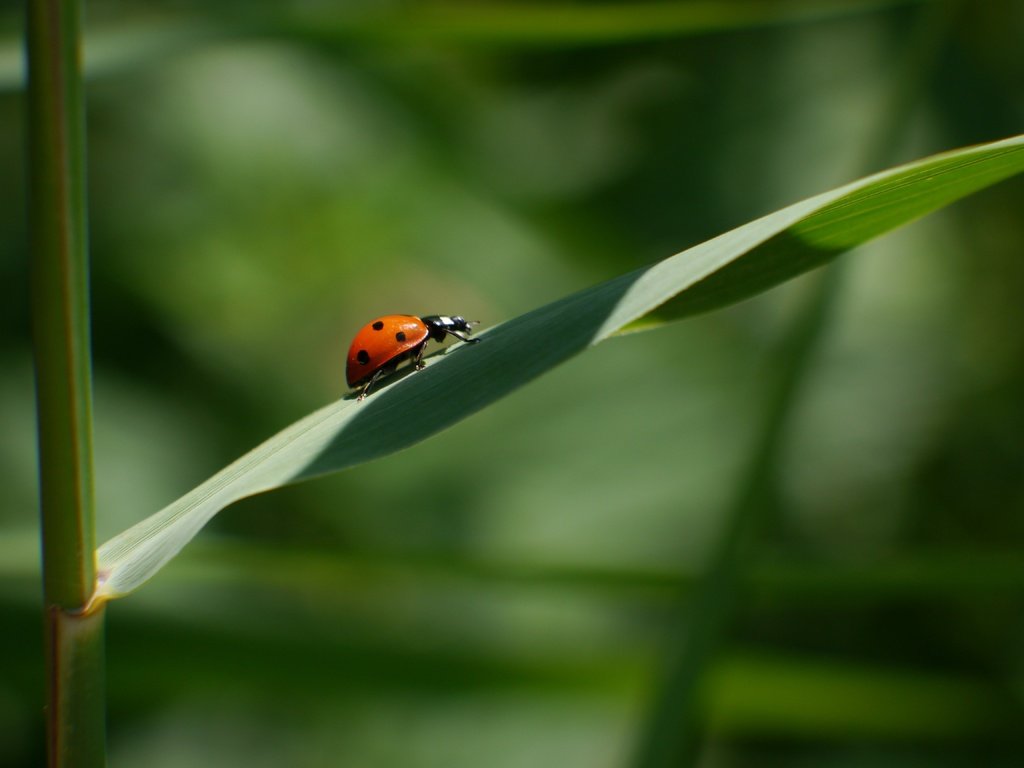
pixel 728 268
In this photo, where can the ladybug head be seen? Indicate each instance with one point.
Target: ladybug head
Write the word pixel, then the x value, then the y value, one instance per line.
pixel 440 325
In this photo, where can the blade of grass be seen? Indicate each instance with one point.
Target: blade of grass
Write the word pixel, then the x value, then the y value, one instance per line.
pixel 220 563
pixel 60 329
pixel 135 40
pixel 467 378
pixel 563 24
pixel 824 699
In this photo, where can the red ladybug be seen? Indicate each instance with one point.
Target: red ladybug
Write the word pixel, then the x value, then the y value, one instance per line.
pixel 381 345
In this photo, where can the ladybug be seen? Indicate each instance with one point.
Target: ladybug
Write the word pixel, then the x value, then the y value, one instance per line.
pixel 381 345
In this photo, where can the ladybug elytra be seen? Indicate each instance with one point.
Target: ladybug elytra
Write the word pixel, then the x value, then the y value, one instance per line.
pixel 382 344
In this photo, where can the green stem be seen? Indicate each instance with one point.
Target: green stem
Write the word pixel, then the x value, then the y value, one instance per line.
pixel 60 328
pixel 76 695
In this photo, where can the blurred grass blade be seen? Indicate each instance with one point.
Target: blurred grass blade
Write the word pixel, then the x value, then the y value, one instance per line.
pixel 675 731
pixel 560 23
pixel 136 39
pixel 672 734
pixel 733 266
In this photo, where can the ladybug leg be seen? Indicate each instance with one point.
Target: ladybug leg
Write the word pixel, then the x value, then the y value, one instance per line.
pixel 460 337
pixel 373 380
pixel 417 358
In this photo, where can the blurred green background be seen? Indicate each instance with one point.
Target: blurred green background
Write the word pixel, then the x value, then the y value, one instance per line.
pixel 265 177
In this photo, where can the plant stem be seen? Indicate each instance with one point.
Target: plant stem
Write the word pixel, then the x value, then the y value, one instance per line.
pixel 76 690
pixel 60 328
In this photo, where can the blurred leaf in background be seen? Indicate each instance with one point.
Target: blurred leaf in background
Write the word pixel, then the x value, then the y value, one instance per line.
pixel 265 177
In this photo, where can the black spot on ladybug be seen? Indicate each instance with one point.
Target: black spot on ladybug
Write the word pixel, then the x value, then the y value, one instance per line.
pixel 378 325
pixel 363 356
pixel 400 336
